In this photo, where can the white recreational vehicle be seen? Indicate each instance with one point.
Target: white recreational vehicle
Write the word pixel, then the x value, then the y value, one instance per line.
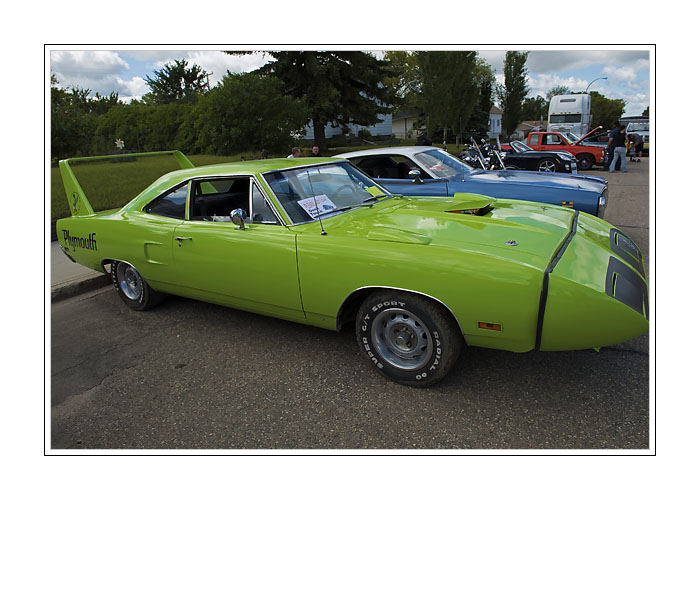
pixel 570 112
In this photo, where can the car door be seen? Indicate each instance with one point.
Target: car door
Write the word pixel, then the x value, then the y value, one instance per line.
pixel 515 159
pixel 552 142
pixel 253 266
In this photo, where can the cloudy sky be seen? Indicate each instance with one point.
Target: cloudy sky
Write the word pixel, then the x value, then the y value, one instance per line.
pixel 123 70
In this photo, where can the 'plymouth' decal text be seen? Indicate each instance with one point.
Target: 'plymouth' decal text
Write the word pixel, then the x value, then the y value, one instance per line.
pixel 89 243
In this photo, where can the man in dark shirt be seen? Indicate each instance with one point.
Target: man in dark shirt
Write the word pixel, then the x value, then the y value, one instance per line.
pixel 611 145
pixel 619 139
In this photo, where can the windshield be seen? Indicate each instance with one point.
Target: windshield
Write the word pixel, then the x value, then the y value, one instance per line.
pixel 637 127
pixel 440 164
pixel 520 146
pixel 306 192
pixel 565 118
pixel 571 137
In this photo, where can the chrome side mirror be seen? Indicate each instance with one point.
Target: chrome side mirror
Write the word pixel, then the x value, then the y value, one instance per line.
pixel 415 175
pixel 238 217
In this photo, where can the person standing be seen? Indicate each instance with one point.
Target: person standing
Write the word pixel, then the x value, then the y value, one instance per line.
pixel 315 152
pixel 620 150
pixel 637 144
pixel 296 152
pixel 611 144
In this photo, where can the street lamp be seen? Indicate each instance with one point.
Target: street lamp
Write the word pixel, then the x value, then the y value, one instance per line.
pixel 592 82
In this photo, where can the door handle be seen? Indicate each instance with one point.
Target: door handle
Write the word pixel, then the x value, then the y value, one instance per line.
pixel 182 239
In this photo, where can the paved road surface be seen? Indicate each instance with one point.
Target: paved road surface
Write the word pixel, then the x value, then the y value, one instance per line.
pixel 191 375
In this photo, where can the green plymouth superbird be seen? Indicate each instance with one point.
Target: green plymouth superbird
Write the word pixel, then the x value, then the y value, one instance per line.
pixel 318 242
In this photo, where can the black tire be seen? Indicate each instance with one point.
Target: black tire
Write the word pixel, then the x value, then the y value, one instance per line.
pixel 132 288
pixel 585 162
pixel 408 338
pixel 548 165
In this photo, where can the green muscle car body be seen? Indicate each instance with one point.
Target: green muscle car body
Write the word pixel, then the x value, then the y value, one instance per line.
pixel 318 242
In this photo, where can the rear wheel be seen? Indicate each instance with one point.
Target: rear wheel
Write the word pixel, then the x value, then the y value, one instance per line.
pixel 408 338
pixel 547 164
pixel 132 288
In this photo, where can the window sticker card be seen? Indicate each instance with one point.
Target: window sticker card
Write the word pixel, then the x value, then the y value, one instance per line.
pixel 324 203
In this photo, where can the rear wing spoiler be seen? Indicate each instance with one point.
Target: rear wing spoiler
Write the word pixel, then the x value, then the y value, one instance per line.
pixel 78 202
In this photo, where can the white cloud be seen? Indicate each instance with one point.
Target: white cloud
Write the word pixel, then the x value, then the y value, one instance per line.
pixel 547 61
pixel 541 84
pixel 85 64
pixel 136 86
pixel 214 62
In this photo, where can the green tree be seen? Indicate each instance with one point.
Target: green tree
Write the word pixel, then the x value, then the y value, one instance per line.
pixel 337 87
pixel 404 82
pixel 515 89
pixel 646 112
pixel 73 115
pixel 478 123
pixel 558 90
pixel 247 111
pixel 176 82
pixel 535 108
pixel 604 111
pixel 449 89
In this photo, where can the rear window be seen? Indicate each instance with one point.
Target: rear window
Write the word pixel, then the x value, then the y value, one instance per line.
pixel 171 204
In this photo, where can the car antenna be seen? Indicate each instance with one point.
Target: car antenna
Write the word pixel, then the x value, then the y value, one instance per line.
pixel 318 212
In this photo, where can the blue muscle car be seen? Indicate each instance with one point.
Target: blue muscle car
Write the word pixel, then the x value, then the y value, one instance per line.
pixel 428 171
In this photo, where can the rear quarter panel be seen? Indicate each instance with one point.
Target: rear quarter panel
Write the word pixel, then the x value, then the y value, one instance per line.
pixel 144 241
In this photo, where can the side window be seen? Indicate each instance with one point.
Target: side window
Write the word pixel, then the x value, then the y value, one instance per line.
pixel 535 139
pixel 262 213
pixel 387 167
pixel 170 204
pixel 214 199
pixel 552 140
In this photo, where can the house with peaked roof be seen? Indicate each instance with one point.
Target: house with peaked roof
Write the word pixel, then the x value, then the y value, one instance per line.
pixel 495 118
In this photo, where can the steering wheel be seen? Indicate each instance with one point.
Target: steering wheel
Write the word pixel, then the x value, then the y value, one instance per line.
pixel 341 188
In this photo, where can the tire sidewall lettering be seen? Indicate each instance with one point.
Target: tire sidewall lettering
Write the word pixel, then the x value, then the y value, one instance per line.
pixel 368 348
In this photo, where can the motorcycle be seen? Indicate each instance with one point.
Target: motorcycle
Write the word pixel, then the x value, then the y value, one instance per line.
pixel 485 157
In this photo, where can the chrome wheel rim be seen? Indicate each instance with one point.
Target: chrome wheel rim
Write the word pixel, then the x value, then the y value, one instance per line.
pixel 130 281
pixel 401 339
pixel 548 166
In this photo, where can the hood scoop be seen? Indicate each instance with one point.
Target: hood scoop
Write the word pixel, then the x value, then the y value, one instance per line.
pixel 479 212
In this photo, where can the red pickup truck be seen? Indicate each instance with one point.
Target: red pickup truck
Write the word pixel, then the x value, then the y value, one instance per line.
pixel 587 155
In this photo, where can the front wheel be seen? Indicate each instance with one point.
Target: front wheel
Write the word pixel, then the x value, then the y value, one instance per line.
pixel 132 288
pixel 547 164
pixel 408 338
pixel 584 161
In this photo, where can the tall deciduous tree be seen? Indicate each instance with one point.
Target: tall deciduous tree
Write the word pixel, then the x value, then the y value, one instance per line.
pixel 247 111
pixel 404 81
pixel 176 82
pixel 605 111
pixel 449 89
pixel 515 89
pixel 478 123
pixel 338 87
pixel 535 109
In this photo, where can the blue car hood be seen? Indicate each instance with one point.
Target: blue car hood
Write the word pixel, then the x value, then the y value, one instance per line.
pixel 557 180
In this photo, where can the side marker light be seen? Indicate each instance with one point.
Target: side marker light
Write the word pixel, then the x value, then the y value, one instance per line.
pixel 490 326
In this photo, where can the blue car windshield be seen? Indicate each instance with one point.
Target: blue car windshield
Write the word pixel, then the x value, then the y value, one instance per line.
pixel 440 164
pixel 307 192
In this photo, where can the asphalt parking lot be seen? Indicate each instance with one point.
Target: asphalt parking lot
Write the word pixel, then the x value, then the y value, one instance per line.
pixel 190 375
